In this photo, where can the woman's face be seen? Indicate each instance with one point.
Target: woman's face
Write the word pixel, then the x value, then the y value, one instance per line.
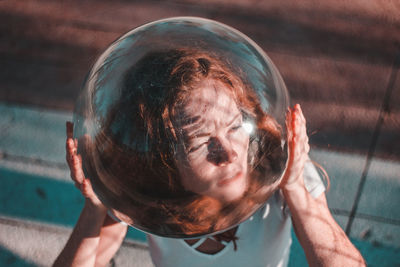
pixel 213 159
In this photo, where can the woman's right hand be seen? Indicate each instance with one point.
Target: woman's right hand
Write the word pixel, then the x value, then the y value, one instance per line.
pixel 74 161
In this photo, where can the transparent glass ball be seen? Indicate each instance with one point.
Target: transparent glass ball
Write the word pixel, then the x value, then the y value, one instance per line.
pixel 180 125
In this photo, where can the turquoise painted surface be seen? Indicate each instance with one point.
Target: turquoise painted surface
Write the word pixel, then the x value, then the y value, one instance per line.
pixel 9 259
pixel 42 199
pixel 376 255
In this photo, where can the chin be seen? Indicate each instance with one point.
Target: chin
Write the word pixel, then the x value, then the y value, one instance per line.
pixel 232 198
pixel 232 194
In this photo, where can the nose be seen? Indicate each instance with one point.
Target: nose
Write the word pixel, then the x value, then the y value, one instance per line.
pixel 220 153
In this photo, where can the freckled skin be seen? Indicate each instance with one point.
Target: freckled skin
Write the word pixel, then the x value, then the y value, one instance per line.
pixel 213 161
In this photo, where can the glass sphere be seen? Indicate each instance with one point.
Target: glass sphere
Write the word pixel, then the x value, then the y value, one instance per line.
pixel 181 128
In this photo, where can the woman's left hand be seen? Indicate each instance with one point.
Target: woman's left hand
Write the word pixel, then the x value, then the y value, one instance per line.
pixel 323 241
pixel 298 149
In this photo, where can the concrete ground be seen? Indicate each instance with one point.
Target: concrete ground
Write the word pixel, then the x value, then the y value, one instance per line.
pixel 339 59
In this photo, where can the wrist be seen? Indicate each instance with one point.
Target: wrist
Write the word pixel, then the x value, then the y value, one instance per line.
pixel 97 209
pixel 294 186
pixel 298 198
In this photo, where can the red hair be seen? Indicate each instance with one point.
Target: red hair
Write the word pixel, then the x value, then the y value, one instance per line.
pixel 132 160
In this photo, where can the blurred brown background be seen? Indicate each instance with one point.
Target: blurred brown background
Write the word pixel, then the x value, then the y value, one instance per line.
pixel 336 57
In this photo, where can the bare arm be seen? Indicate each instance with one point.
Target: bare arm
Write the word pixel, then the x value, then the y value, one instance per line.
pixel 96 237
pixel 112 234
pixel 81 248
pixel 324 242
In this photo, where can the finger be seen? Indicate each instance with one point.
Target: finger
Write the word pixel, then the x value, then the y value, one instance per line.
pixel 87 189
pixel 297 113
pixel 76 169
pixel 70 151
pixel 306 140
pixel 301 113
pixel 300 138
pixel 70 144
pixel 299 124
pixel 300 116
pixel 294 121
pixel 290 135
pixel 289 127
pixel 307 148
pixel 70 129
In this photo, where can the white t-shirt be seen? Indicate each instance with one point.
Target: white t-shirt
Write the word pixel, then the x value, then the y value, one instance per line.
pixel 264 239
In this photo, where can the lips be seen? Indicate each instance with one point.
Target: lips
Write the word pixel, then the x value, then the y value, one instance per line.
pixel 227 181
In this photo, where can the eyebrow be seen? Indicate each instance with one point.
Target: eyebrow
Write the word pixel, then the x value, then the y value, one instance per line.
pixel 197 131
pixel 188 121
pixel 234 119
pixel 192 127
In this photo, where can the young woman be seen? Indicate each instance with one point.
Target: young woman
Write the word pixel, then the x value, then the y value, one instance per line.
pixel 189 116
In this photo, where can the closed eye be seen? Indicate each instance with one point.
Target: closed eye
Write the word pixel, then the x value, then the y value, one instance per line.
pixel 235 128
pixel 195 148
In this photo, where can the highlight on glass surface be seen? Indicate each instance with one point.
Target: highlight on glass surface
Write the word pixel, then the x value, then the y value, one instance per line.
pixel 180 125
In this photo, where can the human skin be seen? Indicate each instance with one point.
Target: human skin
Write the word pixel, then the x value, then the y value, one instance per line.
pixel 96 237
pixel 324 242
pixel 213 159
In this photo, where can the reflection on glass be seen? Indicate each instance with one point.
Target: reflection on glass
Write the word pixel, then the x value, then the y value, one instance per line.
pixel 179 126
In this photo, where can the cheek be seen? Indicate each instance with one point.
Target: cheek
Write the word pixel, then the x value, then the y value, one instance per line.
pixel 197 176
pixel 201 168
pixel 197 160
pixel 240 143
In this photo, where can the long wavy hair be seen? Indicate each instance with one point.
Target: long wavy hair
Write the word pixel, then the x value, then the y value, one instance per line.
pixel 132 160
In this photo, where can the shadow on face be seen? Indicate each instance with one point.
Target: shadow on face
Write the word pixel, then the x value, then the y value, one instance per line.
pixel 213 157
